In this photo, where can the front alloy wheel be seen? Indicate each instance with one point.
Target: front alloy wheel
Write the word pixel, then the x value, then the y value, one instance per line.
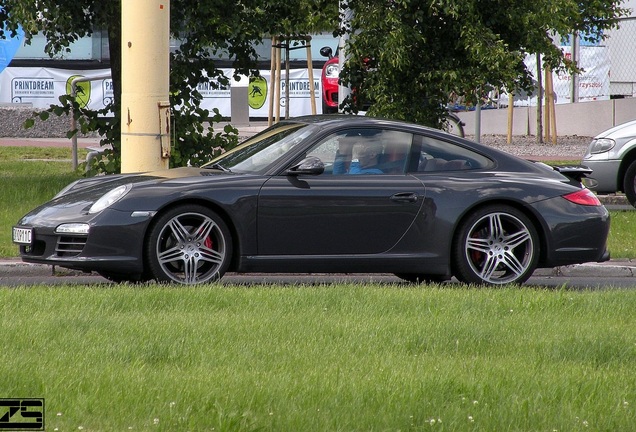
pixel 496 245
pixel 190 245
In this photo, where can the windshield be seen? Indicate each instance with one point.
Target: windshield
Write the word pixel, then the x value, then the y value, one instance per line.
pixel 259 152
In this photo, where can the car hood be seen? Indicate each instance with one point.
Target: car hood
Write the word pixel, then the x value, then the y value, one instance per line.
pixel 73 202
pixel 621 131
pixel 102 184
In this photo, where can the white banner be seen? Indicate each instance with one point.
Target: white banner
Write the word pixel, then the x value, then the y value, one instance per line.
pixel 42 87
pixel 594 81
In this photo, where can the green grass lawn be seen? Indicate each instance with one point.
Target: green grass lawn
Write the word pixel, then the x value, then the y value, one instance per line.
pixel 312 358
pixel 322 358
pixel 29 176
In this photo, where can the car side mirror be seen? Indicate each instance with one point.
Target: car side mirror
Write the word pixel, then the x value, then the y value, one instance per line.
pixel 326 52
pixel 308 166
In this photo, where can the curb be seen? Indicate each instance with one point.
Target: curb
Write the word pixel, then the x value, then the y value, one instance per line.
pixel 614 199
pixel 612 268
pixel 616 268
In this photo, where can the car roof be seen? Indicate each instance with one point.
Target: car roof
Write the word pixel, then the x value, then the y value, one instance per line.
pixel 335 120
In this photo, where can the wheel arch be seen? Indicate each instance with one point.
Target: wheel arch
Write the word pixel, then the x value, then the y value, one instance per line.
pixel 627 159
pixel 527 211
pixel 219 210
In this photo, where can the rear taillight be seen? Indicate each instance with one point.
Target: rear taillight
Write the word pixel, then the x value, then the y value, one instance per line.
pixel 583 197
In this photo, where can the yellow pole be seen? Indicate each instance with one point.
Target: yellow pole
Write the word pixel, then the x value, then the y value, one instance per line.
pixel 553 127
pixel 145 110
pixel 310 70
pixel 278 79
pixel 272 80
pixel 510 117
pixel 548 96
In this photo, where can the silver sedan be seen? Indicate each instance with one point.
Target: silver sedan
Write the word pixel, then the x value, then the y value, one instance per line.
pixel 612 157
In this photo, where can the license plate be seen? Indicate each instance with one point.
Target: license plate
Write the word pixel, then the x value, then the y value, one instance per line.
pixel 22 235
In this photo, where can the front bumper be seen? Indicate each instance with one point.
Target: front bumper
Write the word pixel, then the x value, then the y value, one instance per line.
pixel 114 244
pixel 605 172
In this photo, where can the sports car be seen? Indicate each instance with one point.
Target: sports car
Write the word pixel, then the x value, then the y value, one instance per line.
pixel 334 194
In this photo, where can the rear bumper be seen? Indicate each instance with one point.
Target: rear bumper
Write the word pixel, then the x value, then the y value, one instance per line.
pixel 575 234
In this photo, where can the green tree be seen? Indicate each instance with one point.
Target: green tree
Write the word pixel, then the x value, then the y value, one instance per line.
pixel 408 56
pixel 206 31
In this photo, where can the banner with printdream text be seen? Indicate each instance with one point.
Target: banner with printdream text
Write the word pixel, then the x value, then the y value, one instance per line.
pixel 42 87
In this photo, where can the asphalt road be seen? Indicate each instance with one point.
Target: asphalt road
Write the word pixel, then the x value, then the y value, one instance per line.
pixel 610 275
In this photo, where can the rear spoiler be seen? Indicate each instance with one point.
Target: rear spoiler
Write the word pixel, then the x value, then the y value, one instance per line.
pixel 575 172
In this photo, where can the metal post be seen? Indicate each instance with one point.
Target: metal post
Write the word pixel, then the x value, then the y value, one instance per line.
pixel 74 83
pixel 576 54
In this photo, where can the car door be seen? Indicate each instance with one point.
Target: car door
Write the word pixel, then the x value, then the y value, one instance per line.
pixel 339 214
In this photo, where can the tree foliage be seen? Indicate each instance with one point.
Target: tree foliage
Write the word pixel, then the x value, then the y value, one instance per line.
pixel 408 56
pixel 206 31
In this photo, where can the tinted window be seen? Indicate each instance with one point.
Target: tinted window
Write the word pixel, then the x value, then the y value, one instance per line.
pixel 436 155
pixel 262 150
pixel 364 151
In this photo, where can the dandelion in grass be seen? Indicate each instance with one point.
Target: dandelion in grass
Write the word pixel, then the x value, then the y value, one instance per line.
pixel 155 421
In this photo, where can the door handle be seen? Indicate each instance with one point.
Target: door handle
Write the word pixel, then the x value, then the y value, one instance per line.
pixel 408 197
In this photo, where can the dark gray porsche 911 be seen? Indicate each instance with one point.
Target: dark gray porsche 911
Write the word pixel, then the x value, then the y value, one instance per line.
pixel 327 194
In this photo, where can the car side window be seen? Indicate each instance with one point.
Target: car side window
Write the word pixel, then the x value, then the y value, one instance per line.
pixel 364 151
pixel 433 155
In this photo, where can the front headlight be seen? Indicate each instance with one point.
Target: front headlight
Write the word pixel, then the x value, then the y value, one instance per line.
pixel 73 228
pixel 332 71
pixel 110 198
pixel 602 145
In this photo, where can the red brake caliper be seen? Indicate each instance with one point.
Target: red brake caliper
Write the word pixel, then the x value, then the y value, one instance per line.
pixel 208 242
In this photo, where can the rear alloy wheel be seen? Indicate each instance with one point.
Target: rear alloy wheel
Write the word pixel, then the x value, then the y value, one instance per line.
pixel 496 245
pixel 189 244
pixel 629 184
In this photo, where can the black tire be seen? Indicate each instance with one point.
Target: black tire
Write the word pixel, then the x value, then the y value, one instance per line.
pixel 629 184
pixel 189 244
pixel 326 109
pixel 419 278
pixel 496 245
pixel 454 125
